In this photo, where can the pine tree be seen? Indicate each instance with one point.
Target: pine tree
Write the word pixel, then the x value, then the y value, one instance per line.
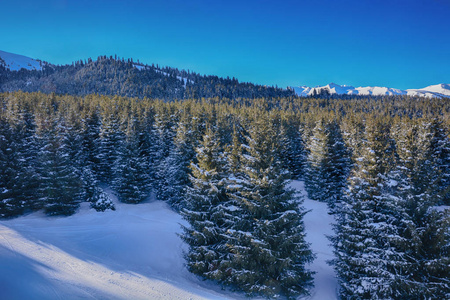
pixel 11 203
pixel 60 185
pixel 177 171
pixel 317 156
pixel 131 180
pixel 367 228
pixel 293 152
pixel 328 164
pixel 268 247
pixel 111 138
pixel 424 227
pixel 208 212
pixel 163 133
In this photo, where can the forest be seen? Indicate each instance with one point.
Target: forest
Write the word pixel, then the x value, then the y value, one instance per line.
pixel 224 163
pixel 117 76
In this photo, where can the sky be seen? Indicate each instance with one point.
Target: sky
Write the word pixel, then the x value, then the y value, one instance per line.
pixel 395 43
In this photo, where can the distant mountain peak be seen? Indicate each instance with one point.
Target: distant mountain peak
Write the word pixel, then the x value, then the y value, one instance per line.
pixel 432 91
pixel 15 62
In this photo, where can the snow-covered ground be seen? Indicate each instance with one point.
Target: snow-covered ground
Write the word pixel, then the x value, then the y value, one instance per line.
pixel 131 253
pixel 438 90
pixel 318 227
pixel 15 62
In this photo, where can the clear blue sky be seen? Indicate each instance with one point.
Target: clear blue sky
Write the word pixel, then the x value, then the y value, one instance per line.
pixel 400 44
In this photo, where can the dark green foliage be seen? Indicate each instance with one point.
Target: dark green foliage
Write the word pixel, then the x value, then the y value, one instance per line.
pixel 267 243
pixel 367 223
pixel 246 231
pixel 208 212
pixel 293 149
pixel 110 76
pixel 130 171
pixel 59 183
pixel 328 164
pixel 177 171
pixel 100 201
pixel 11 168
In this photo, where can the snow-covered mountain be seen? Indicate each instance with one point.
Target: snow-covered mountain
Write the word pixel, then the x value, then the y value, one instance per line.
pixel 15 62
pixel 439 90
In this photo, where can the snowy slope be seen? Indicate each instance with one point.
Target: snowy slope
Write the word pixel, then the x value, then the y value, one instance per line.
pixel 439 90
pixel 318 227
pixel 15 62
pixel 131 253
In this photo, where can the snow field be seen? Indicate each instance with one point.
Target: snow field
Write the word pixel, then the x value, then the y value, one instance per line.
pixel 131 253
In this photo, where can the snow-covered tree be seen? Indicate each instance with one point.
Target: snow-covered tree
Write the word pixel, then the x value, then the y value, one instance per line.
pixel 11 168
pixel 292 151
pixel 367 222
pixel 163 133
pixel 110 140
pixel 208 212
pixel 177 172
pixel 267 243
pixel 328 164
pixel 59 183
pixel 131 177
pixel 424 225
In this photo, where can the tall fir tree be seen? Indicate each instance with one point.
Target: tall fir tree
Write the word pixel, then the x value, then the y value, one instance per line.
pixel 131 179
pixel 328 164
pixel 424 225
pixel 267 243
pixel 208 212
pixel 177 170
pixel 59 183
pixel 367 222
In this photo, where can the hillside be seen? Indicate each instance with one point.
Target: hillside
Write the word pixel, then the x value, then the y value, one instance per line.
pixel 117 76
pixel 15 62
pixel 133 252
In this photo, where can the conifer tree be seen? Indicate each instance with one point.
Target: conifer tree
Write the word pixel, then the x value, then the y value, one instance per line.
pixel 293 152
pixel 367 222
pixel 178 161
pixel 131 179
pixel 424 226
pixel 267 243
pixel 328 164
pixel 163 133
pixel 208 212
pixel 11 202
pixel 60 185
pixel 111 138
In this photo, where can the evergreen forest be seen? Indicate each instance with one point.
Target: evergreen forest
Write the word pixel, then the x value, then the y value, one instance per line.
pixel 222 154
pixel 117 76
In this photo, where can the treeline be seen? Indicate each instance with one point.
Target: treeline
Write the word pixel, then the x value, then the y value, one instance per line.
pixel 382 165
pixel 115 76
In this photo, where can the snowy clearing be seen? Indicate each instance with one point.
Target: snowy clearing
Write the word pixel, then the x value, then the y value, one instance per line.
pixel 131 253
pixel 318 227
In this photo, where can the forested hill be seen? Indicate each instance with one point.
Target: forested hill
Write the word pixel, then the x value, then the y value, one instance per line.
pixel 117 76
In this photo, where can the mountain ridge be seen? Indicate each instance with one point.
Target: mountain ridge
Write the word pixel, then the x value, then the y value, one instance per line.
pixel 433 91
pixel 16 62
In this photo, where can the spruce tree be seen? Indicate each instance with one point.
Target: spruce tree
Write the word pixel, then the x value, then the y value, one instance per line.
pixel 177 171
pixel 424 225
pixel 11 202
pixel 328 164
pixel 131 179
pixel 267 243
pixel 366 227
pixel 208 212
pixel 59 183
pixel 293 152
